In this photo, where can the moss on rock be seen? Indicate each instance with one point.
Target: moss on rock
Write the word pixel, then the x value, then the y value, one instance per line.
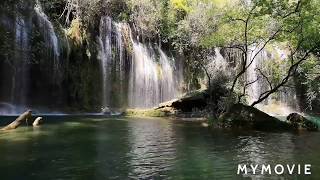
pixel 145 113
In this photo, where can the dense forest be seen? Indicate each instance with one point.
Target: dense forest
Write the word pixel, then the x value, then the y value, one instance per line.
pixel 78 55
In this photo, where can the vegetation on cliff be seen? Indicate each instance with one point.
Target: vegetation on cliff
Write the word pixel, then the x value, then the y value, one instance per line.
pixel 190 30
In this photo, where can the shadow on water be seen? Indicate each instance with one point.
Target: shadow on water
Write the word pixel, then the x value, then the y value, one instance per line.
pixel 67 147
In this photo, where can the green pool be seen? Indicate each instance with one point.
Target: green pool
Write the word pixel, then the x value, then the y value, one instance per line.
pixel 69 147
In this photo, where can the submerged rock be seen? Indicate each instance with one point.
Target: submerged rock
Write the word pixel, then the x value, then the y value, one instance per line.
pixel 242 116
pixel 106 110
pixel 298 121
pixel 37 122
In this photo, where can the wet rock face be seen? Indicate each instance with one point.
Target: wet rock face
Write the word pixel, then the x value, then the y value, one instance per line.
pixel 298 121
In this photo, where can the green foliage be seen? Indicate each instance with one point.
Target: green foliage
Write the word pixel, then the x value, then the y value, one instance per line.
pixel 192 27
pixel 180 5
pixel 309 73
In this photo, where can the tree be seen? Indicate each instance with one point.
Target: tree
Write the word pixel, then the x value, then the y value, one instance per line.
pixel 259 23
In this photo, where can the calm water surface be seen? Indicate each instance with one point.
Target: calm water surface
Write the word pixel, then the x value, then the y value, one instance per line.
pixel 102 148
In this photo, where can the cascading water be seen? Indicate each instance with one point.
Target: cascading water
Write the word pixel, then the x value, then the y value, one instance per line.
pixel 151 79
pixel 253 77
pixel 144 78
pixel 105 54
pixel 50 36
pixel 217 63
pixel 20 78
pixel 120 53
pixel 281 103
pixel 112 55
pixel 168 78
pixel 24 64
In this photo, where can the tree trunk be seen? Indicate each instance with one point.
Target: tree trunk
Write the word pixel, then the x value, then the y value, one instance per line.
pixel 22 118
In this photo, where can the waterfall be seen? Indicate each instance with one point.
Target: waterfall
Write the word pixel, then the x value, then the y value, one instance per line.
pixel 20 78
pixel 253 76
pixel 217 63
pixel 24 64
pixel 144 78
pixel 168 84
pixel 49 34
pixel 120 51
pixel 105 54
pixel 283 102
pixel 148 74
pixel 112 62
pixel 152 79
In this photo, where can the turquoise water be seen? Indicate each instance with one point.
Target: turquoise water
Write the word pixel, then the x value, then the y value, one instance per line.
pixel 122 148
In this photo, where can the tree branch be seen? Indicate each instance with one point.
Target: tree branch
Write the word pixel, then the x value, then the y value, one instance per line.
pixel 265 77
pixel 291 71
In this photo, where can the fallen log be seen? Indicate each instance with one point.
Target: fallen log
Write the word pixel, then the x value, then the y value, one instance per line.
pixel 22 118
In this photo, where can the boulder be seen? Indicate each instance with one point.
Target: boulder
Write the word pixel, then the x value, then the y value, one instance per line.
pixel 298 121
pixel 248 117
pixel 106 110
pixel 189 102
pixel 37 122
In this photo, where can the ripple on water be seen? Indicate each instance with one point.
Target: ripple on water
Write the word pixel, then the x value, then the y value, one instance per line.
pixel 152 149
pixel 145 149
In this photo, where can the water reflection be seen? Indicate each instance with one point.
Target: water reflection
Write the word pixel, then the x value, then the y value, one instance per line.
pixel 147 149
pixel 262 148
pixel 111 146
pixel 153 148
